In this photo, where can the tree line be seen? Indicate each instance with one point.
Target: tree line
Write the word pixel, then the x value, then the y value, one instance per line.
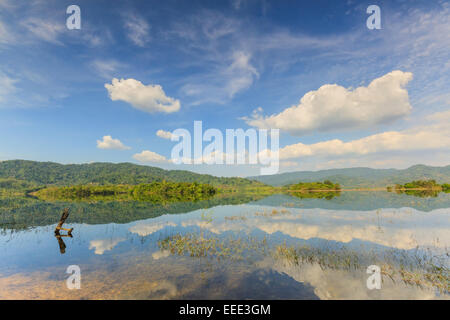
pixel 164 191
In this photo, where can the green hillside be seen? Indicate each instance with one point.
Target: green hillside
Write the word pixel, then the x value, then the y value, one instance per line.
pixel 361 177
pixel 22 173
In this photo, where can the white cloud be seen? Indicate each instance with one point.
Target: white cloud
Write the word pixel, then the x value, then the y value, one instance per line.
pixel 164 134
pixel 7 87
pixel 106 68
pixel 241 73
pixel 148 98
pixel 103 245
pixel 150 156
pixel 289 164
pixel 5 35
pixel 426 137
pixel 333 107
pixel 226 81
pixel 109 143
pixel 44 29
pixel 138 30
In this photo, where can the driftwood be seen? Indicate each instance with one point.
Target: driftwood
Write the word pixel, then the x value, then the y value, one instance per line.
pixel 63 219
pixel 62 245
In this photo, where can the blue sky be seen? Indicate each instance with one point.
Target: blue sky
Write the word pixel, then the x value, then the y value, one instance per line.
pixel 376 98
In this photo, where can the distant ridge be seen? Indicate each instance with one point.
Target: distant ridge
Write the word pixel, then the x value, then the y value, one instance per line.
pixel 361 177
pixel 51 173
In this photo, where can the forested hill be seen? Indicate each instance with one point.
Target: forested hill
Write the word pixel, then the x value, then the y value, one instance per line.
pixel 50 173
pixel 361 177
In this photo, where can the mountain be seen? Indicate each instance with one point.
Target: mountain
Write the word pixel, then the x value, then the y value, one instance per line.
pixel 360 177
pixel 19 172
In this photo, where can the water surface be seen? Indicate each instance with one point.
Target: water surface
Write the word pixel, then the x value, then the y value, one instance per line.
pixel 239 247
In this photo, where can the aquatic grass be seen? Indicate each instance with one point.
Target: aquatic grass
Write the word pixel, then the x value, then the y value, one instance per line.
pixel 422 269
pixel 201 246
pixel 207 216
pixel 232 218
pixel 274 212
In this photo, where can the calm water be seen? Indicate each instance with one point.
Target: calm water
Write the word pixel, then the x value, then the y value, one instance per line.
pixel 240 247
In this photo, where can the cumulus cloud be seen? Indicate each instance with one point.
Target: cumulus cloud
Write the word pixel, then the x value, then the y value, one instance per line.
pixel 333 107
pixel 289 164
pixel 150 156
pixel 164 134
pixel 435 135
pixel 109 143
pixel 148 98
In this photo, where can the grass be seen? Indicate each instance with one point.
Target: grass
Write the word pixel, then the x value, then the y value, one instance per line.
pixel 419 268
pixel 232 218
pixel 198 246
pixel 274 212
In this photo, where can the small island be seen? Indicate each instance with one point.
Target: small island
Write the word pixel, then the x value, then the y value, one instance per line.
pixel 421 188
pixel 327 185
pixel 423 185
pixel 319 190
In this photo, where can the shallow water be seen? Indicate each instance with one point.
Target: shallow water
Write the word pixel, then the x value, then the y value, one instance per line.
pixel 229 248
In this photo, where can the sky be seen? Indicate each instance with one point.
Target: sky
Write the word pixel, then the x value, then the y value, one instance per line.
pixel 341 94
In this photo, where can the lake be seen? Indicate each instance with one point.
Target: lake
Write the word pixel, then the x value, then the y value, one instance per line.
pixel 229 247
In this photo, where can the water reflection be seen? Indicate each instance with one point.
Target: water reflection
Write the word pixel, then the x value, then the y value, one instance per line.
pixel 419 193
pixel 275 247
pixel 316 195
pixel 62 245
pixel 59 227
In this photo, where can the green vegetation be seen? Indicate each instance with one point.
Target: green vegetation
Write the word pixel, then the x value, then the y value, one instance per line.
pixel 157 192
pixel 34 174
pixel 421 188
pixel 419 184
pixel 316 195
pixel 10 187
pixel 420 193
pixel 318 190
pixel 445 187
pixel 200 246
pixel 314 186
